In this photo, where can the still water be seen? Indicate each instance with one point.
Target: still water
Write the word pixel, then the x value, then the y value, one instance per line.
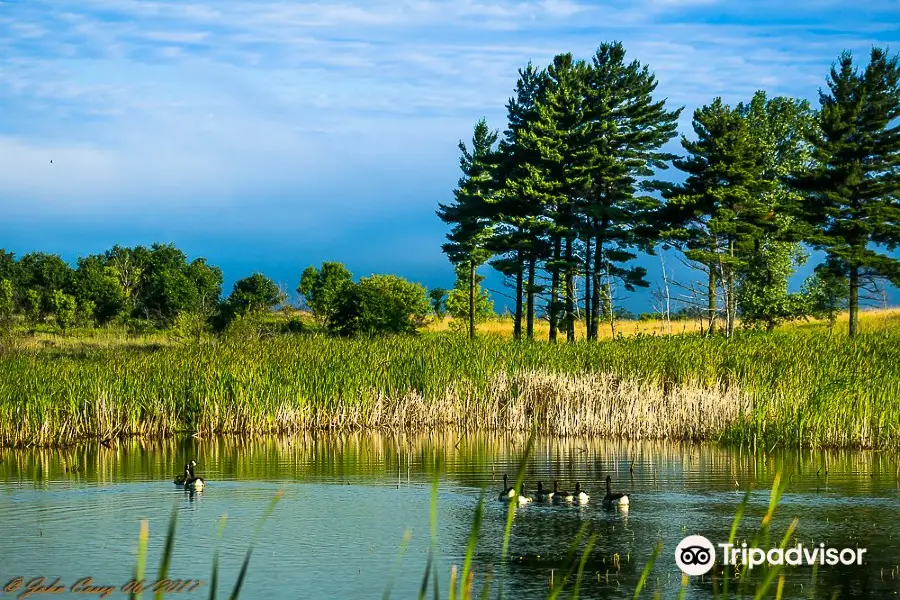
pixel 349 501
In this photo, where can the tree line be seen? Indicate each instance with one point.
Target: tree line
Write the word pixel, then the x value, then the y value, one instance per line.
pixel 569 194
pixel 158 287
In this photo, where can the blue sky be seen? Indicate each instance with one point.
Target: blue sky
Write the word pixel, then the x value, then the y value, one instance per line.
pixel 270 135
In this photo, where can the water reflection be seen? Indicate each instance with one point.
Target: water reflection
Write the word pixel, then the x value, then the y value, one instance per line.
pixel 350 498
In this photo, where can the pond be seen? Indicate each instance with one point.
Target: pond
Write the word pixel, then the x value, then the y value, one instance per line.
pixel 349 501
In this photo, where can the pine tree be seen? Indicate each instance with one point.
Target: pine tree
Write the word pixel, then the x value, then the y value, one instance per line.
pixel 550 182
pixel 564 108
pixel 471 212
pixel 721 205
pixel 624 133
pixel 852 196
pixel 518 237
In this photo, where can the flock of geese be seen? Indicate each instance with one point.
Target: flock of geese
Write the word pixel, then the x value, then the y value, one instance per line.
pixel 557 496
pixel 189 480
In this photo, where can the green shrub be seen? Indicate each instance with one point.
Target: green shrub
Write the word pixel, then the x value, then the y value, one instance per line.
pixel 64 308
pixel 381 304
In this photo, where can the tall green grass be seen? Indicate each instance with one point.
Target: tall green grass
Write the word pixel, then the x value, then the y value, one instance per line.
pixel 788 388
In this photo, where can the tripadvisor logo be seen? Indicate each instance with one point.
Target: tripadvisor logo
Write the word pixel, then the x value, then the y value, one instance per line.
pixel 695 555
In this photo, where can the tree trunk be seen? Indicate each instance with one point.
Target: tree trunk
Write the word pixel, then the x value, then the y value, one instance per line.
pixel 587 287
pixel 732 299
pixel 554 290
pixel 595 302
pixel 854 300
pixel 517 327
pixel 711 299
pixel 472 299
pixel 529 300
pixel 662 264
pixel 610 309
pixel 570 292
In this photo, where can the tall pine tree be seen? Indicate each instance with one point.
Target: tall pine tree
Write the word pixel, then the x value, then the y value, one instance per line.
pixel 549 179
pixel 518 238
pixel 721 204
pixel 625 131
pixel 470 214
pixel 852 196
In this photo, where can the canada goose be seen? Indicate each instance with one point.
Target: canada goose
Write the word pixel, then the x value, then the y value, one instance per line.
pixel 560 496
pixel 523 498
pixel 182 479
pixel 542 495
pixel 580 495
pixel 611 499
pixel 193 482
pixel 506 492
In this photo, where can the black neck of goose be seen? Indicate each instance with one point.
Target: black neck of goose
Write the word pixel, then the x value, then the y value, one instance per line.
pixel 608 487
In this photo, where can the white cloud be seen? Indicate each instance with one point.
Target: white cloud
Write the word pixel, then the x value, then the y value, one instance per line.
pixel 210 99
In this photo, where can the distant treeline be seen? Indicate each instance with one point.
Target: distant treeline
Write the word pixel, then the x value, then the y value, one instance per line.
pixel 567 197
pixel 158 287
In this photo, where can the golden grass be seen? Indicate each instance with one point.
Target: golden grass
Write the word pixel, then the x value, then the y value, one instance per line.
pixel 112 337
pixel 870 320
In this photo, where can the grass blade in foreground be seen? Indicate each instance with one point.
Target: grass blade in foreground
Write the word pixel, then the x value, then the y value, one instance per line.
pixel 466 591
pixel 511 510
pixel 424 588
pixel 646 572
pixel 167 555
pixel 214 578
pixel 143 536
pixel 404 543
pixel 584 557
pixel 243 573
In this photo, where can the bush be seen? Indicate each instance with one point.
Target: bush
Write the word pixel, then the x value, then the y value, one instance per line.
pixel 189 326
pixel 87 311
pixel 7 301
pixel 438 298
pixel 295 325
pixel 31 304
pixel 458 299
pixel 323 289
pixel 64 308
pixel 255 294
pixel 244 327
pixel 381 304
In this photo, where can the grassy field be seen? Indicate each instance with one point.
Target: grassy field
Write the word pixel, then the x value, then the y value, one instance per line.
pixel 49 338
pixel 798 386
pixel 870 320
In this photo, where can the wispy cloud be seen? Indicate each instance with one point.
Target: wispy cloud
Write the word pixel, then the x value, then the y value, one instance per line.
pixel 156 105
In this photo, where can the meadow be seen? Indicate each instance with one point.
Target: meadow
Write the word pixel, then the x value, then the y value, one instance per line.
pixel 800 386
